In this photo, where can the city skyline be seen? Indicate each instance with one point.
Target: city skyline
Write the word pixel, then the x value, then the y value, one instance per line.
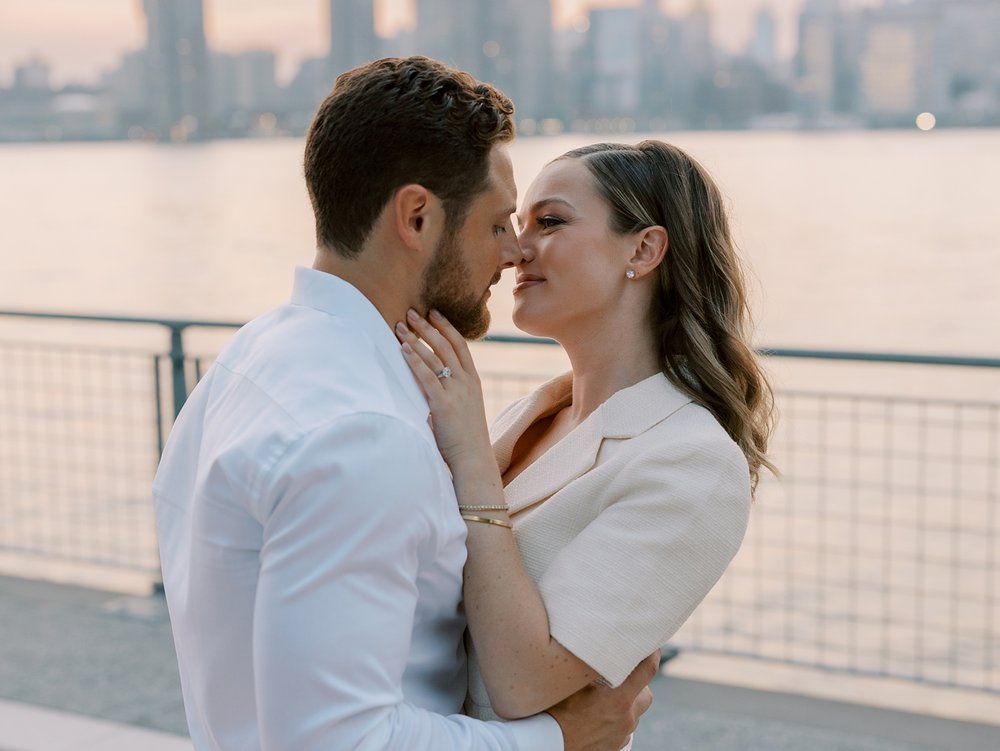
pixel 91 38
pixel 620 68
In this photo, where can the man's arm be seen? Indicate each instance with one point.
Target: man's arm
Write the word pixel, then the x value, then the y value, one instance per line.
pixel 349 511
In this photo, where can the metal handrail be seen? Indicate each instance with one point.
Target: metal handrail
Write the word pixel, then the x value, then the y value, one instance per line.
pixel 180 324
pixel 178 378
pixel 887 357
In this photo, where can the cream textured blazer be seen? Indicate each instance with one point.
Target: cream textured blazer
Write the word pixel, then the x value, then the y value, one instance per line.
pixel 625 524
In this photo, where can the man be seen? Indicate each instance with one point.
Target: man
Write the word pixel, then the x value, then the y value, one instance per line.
pixel 311 546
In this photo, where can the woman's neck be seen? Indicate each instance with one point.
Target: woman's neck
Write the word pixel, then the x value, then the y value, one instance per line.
pixel 605 361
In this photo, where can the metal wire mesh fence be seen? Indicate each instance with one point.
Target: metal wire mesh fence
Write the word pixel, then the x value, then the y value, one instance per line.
pixel 876 552
pixel 78 446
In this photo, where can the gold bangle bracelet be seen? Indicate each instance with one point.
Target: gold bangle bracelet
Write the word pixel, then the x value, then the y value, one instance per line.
pixel 487 520
pixel 482 508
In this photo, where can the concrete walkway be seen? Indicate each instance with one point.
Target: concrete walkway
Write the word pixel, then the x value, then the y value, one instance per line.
pixel 82 669
pixel 24 727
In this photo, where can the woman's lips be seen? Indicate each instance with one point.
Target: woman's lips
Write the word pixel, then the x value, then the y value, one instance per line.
pixel 524 284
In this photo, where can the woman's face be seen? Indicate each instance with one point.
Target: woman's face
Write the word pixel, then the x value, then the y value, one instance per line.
pixel 573 265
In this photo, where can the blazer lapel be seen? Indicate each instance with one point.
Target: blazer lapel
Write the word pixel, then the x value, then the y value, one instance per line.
pixel 512 423
pixel 626 414
pixel 557 467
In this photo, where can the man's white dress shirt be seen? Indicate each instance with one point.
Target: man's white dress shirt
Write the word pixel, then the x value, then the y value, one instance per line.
pixel 311 545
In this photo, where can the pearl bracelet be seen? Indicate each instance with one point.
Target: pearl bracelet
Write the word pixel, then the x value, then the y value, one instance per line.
pixel 481 508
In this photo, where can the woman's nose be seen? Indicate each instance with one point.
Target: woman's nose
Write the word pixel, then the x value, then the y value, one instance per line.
pixel 514 253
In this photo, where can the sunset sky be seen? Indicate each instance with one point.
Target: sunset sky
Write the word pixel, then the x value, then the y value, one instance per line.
pixel 80 39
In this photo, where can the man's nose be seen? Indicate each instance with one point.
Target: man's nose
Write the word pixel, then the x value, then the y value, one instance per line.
pixel 513 254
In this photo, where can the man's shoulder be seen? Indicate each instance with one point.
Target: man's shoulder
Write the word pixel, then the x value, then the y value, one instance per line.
pixel 312 366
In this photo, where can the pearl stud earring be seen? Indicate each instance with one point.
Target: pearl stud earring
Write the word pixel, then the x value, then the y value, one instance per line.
pixel 630 274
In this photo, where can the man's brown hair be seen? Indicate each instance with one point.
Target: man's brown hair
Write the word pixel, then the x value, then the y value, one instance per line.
pixel 395 122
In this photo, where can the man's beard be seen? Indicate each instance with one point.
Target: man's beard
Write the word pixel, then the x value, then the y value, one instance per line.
pixel 445 290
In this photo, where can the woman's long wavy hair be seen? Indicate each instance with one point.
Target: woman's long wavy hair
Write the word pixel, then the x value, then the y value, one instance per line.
pixel 700 311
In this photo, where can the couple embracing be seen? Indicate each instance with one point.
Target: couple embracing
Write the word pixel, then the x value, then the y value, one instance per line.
pixel 352 559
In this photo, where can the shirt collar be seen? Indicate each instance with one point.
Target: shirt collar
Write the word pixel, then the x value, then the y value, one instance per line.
pixel 330 294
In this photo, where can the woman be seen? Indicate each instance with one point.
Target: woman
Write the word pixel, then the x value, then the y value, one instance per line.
pixel 627 483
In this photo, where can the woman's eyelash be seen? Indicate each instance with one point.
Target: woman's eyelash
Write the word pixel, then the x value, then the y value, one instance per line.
pixel 547 222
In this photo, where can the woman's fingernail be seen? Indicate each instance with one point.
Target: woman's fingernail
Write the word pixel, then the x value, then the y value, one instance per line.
pixel 435 314
pixel 412 314
pixel 400 328
pixel 407 348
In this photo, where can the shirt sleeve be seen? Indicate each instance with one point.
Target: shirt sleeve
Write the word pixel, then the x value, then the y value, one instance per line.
pixel 673 520
pixel 354 506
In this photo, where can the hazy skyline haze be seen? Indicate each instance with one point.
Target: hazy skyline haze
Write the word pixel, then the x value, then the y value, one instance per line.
pixel 79 40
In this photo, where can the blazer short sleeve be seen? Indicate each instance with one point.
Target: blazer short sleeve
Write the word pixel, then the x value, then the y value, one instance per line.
pixel 675 516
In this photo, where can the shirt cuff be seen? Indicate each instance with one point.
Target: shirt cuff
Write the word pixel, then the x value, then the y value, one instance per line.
pixel 537 733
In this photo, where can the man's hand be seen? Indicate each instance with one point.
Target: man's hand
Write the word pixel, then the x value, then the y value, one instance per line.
pixel 602 719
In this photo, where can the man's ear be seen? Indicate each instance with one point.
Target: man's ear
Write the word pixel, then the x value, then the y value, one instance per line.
pixel 417 212
pixel 650 250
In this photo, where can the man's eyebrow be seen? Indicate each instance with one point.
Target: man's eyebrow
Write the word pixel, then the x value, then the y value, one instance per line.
pixel 535 206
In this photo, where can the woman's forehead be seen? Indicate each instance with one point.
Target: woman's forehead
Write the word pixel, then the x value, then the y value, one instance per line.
pixel 561 178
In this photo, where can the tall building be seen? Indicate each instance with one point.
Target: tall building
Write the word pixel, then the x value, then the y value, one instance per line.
pixel 516 54
pixel 967 62
pixel 128 87
pixel 762 46
pixel 494 42
pixel 534 86
pixel 698 48
pixel 656 61
pixel 306 90
pixel 352 35
pixel 32 74
pixel 896 67
pixel 454 32
pixel 614 39
pixel 223 92
pixel 818 53
pixel 256 81
pixel 505 42
pixel 692 69
pixel 244 86
pixel 830 46
pixel 178 65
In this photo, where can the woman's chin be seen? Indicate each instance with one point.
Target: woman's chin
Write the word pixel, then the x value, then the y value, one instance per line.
pixel 530 325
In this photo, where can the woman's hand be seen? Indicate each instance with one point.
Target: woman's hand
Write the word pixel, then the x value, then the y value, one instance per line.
pixel 440 359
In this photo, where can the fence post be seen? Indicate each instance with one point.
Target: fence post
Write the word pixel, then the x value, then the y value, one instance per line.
pixel 158 390
pixel 178 380
pixel 178 377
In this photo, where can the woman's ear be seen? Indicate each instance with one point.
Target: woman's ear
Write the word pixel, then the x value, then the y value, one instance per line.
pixel 650 250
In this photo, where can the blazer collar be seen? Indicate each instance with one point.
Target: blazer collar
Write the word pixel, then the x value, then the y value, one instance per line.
pixel 330 294
pixel 628 413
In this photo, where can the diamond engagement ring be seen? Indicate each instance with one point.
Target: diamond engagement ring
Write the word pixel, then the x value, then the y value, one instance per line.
pixel 445 373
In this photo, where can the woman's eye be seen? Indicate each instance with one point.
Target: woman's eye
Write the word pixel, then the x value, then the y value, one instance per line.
pixel 548 222
pixel 499 230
